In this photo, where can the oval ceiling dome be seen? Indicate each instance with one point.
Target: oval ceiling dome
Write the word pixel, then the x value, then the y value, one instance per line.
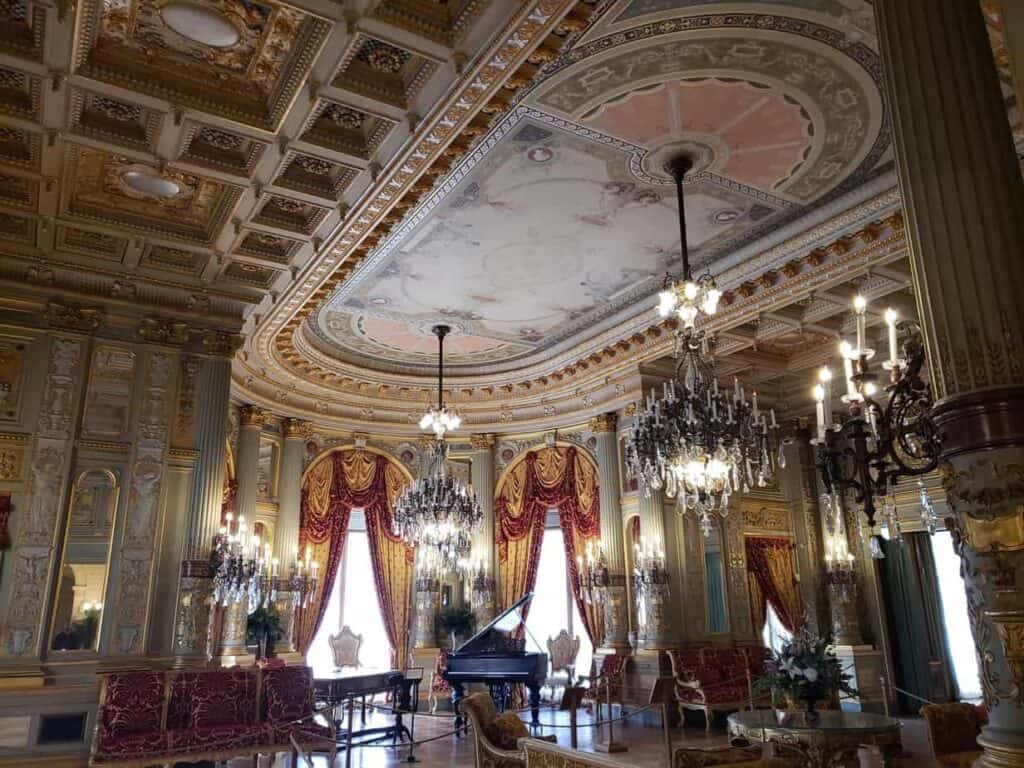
pixel 201 24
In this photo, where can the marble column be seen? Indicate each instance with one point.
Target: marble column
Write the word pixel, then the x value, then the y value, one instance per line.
pixel 286 531
pixel 191 626
pixel 482 590
pixel 428 600
pixel 247 461
pixel 964 202
pixel 656 597
pixel 616 617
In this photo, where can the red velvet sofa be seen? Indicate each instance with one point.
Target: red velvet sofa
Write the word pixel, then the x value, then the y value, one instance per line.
pixel 153 716
pixel 716 678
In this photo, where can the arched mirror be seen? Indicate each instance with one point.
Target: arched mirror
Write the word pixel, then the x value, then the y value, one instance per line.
pixel 82 579
pixel 714 583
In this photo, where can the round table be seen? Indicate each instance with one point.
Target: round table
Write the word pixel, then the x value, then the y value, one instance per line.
pixel 829 741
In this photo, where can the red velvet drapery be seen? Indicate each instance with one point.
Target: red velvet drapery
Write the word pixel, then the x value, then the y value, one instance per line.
pixel 337 484
pixel 549 478
pixel 772 579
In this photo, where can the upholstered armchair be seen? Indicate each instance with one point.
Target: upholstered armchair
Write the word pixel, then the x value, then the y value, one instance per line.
pixel 953 730
pixel 562 652
pixel 608 683
pixel 494 735
pixel 345 646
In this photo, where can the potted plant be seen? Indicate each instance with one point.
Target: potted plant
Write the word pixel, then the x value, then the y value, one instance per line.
pixel 264 627
pixel 805 672
pixel 456 621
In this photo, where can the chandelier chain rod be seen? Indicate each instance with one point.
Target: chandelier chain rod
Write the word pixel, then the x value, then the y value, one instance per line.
pixel 678 170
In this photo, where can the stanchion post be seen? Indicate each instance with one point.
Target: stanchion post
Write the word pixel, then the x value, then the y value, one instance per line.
pixel 663 690
pixel 611 745
pixel 348 734
pixel 885 695
pixel 572 696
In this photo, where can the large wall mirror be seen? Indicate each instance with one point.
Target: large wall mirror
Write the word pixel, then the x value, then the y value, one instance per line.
pixel 714 583
pixel 82 583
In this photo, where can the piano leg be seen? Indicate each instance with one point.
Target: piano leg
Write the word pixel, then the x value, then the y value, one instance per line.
pixel 534 690
pixel 458 691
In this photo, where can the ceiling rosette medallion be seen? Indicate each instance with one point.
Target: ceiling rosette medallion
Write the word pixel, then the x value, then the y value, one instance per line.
pixel 239 60
pixel 114 189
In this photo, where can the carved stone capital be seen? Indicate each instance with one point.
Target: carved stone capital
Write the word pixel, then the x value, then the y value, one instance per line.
pixel 157 331
pixel 221 343
pixel 73 318
pixel 252 416
pixel 481 442
pixel 606 422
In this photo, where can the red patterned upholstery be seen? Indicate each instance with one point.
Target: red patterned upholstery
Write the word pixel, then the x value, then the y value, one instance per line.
pixel 131 719
pixel 211 714
pixel 715 678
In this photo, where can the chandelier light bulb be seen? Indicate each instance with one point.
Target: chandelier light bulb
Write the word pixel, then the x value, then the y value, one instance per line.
pixel 690 290
pixel 845 349
pixel 825 374
pixel 860 304
pixel 666 303
pixel 819 393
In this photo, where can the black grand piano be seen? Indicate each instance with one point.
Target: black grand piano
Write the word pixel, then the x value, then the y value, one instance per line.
pixel 497 656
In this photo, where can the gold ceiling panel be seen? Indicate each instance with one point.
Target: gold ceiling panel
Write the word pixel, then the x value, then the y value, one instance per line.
pixel 345 128
pixel 249 74
pixel 251 274
pixel 85 242
pixel 315 175
pixel 268 247
pixel 23 29
pixel 96 189
pixel 119 122
pixel 163 258
pixel 443 21
pixel 383 70
pixel 19 147
pixel 19 192
pixel 17 229
pixel 221 150
pixel 19 94
pixel 292 215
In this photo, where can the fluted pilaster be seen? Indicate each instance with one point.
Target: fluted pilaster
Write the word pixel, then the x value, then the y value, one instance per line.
pixel 289 503
pixel 964 201
pixel 247 460
pixel 656 608
pixel 616 618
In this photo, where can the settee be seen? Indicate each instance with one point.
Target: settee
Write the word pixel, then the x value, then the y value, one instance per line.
pixel 156 716
pixel 714 679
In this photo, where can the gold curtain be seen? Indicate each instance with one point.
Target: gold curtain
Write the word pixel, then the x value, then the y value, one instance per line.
pixel 770 564
pixel 319 536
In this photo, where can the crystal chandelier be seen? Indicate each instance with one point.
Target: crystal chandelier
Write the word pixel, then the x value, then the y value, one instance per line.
pixel 699 443
pixel 592 567
pixel 438 512
pixel 686 298
pixel 888 433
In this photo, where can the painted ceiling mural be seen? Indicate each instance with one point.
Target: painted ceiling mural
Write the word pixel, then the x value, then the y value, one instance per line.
pixel 562 220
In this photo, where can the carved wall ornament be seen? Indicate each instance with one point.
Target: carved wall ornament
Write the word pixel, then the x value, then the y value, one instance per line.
pixel 10 464
pixel 766 518
pixel 222 343
pixel 606 422
pixel 73 318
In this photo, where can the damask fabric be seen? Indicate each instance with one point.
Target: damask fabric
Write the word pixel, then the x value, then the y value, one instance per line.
pixel 736 757
pixel 505 730
pixel 954 728
pixel 211 698
pixel 559 478
pixel 130 722
pixel 772 576
pixel 333 487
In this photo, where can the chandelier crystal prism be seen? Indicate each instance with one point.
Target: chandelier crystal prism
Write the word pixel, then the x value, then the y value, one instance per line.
pixel 438 513
pixel 699 443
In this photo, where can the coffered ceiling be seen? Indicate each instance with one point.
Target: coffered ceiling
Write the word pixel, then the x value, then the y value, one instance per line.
pixel 333 177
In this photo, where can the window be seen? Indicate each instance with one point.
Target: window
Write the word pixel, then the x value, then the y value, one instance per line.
pixel 954 612
pixel 353 601
pixel 553 607
pixel 774 634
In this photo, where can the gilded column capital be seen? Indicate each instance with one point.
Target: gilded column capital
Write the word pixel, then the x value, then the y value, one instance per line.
pixel 67 317
pixel 481 442
pixel 605 422
pixel 298 429
pixel 252 416
pixel 159 331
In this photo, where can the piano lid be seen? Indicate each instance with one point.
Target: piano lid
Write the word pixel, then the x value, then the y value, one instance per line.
pixel 506 622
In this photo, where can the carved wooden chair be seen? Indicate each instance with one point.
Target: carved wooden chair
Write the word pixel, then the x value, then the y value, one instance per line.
pixel 562 652
pixel 345 647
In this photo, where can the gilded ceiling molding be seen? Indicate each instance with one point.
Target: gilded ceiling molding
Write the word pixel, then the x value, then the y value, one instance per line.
pixel 528 42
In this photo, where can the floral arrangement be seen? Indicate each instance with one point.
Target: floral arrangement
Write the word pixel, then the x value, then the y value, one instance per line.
pixel 806 669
